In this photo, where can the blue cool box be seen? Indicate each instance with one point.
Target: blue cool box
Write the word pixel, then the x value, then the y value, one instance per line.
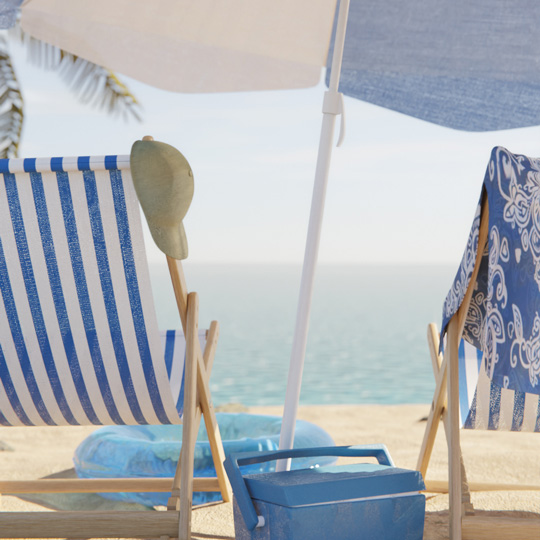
pixel 360 501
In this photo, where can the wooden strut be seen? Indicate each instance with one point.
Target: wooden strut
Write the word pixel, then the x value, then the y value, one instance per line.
pixel 455 331
pixel 507 528
pixel 99 485
pixel 458 496
pixel 75 525
pixel 433 423
pixel 441 486
pixel 208 359
pixel 204 398
pixel 201 401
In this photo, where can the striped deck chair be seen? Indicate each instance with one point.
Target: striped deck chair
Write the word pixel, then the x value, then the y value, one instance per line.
pixel 488 366
pixel 79 342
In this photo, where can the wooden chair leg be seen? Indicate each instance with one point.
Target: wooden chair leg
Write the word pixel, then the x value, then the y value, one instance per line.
pixel 190 403
pixel 437 407
pixel 455 331
pixel 208 358
pixel 214 436
pixel 454 462
pixel 425 452
pixel 451 359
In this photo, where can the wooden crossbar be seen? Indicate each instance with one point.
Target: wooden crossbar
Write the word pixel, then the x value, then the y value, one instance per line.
pixel 441 486
pixel 100 485
pixel 490 527
pixel 79 525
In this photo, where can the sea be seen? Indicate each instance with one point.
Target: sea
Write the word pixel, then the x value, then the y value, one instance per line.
pixel 367 336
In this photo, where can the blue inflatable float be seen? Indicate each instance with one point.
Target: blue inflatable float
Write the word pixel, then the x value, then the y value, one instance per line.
pixel 152 451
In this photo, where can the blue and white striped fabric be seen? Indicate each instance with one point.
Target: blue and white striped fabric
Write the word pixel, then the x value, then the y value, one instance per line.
pixel 484 405
pixel 79 342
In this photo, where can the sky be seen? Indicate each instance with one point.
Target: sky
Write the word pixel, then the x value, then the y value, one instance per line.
pixel 401 190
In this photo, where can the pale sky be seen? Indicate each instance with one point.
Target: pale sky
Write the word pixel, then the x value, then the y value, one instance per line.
pixel 401 191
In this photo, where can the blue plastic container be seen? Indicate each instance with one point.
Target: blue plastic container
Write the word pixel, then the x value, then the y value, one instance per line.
pixel 346 502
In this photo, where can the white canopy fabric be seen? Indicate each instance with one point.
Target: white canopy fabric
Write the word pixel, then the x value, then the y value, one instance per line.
pixel 188 46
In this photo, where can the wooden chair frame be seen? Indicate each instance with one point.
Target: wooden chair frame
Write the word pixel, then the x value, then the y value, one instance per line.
pixel 176 521
pixel 463 523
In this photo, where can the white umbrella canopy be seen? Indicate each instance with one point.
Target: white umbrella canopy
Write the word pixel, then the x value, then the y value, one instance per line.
pixel 186 46
pixel 466 64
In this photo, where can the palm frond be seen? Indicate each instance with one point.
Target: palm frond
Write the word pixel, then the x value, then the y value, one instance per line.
pixel 91 83
pixel 11 105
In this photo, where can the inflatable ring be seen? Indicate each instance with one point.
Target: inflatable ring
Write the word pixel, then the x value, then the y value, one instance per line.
pixel 152 451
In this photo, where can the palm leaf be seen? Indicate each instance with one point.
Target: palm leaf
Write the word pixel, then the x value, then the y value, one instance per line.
pixel 91 83
pixel 11 105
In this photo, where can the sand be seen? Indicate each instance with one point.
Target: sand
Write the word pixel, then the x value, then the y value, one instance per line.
pixel 494 457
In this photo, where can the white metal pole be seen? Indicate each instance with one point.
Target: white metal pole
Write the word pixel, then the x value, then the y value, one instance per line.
pixel 332 106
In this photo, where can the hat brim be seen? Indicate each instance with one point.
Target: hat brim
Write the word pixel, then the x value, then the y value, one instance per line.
pixel 171 240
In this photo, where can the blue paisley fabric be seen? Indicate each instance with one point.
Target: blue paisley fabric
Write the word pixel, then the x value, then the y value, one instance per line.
pixel 503 320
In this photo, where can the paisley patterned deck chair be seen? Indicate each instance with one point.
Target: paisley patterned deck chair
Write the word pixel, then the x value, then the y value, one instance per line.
pixel 490 370
pixel 79 343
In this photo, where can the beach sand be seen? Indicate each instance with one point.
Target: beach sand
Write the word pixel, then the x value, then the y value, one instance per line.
pixel 493 457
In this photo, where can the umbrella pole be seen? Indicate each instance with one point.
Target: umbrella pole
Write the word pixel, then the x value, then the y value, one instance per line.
pixel 332 106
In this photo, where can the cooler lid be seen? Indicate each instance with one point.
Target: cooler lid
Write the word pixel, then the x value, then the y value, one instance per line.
pixel 332 483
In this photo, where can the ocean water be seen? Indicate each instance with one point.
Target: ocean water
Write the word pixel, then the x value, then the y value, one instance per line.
pixel 367 338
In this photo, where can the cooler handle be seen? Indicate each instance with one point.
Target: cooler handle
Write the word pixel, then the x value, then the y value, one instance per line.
pixel 234 461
